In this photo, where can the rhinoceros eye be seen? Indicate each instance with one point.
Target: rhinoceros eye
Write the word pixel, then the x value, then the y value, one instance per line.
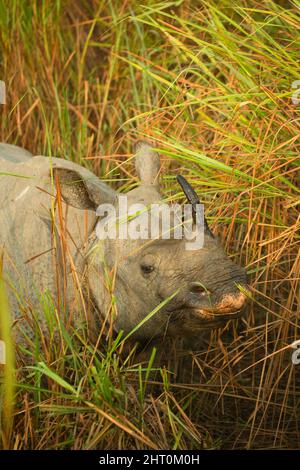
pixel 148 263
pixel 147 268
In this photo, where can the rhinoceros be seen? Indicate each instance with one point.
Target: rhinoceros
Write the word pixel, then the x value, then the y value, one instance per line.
pixel 50 246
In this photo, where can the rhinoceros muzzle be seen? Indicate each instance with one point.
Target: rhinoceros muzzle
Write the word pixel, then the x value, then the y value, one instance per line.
pixel 206 313
pixel 229 308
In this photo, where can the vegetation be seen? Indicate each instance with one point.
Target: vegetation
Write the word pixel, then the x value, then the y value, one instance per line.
pixel 211 83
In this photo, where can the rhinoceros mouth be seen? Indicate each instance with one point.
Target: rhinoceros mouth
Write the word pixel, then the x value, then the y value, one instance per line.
pixel 195 319
pixel 230 307
pixel 208 315
pixel 201 319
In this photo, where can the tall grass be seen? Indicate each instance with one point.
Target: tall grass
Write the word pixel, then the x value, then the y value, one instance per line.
pixel 211 84
pixel 7 366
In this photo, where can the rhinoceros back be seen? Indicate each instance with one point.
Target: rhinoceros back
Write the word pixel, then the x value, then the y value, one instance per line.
pixel 30 235
pixel 13 154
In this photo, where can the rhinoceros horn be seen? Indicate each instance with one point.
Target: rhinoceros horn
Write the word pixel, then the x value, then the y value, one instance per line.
pixel 192 198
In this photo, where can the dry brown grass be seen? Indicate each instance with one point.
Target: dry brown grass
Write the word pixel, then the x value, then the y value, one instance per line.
pixel 210 83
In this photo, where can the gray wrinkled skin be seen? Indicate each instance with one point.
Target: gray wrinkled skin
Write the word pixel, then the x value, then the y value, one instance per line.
pixel 50 245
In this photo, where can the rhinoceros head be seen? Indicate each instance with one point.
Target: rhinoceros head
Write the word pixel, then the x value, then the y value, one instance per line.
pixel 133 276
pixel 128 277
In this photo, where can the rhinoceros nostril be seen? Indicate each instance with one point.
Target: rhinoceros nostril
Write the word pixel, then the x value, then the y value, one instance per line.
pixel 233 302
pixel 199 289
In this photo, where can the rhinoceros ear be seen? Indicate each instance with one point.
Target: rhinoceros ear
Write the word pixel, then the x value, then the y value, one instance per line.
pixel 73 188
pixel 147 163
